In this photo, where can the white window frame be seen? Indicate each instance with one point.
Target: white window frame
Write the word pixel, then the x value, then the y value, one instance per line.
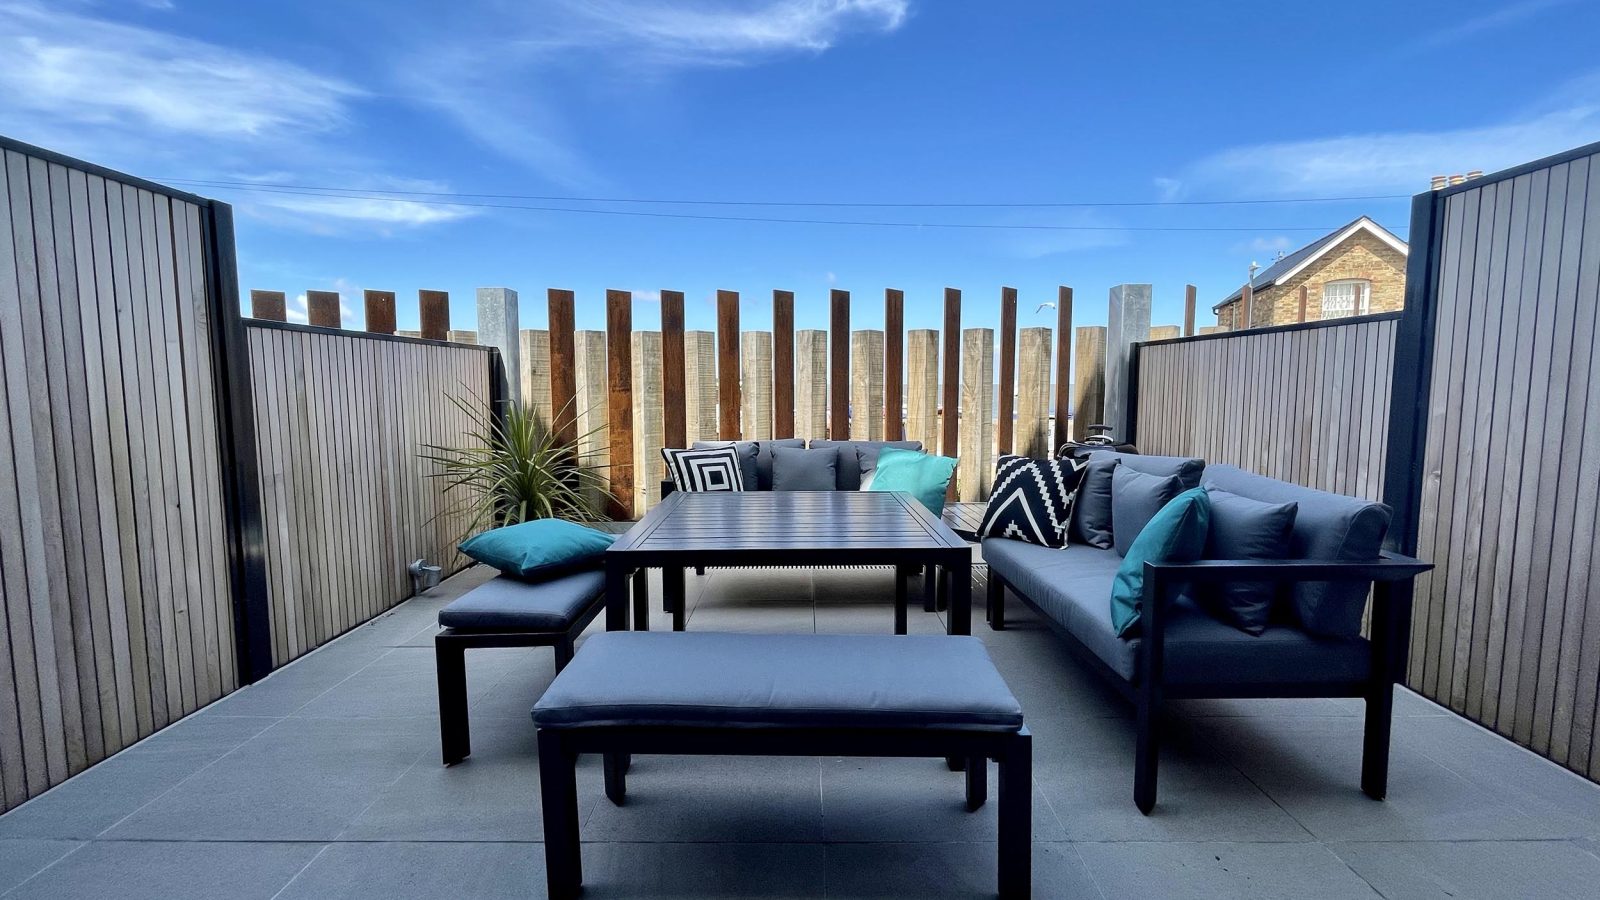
pixel 1346 306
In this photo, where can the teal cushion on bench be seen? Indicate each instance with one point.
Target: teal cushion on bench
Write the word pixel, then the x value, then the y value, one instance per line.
pixel 1176 534
pixel 923 475
pixel 708 679
pixel 510 604
pixel 539 549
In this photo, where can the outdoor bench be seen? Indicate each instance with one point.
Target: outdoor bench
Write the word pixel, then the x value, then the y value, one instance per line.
pixel 707 693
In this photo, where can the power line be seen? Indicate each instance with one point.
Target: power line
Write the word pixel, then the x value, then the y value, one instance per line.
pixel 352 194
pixel 1072 204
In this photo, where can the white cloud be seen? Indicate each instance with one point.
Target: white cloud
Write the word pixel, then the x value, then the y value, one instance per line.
pixel 720 33
pixel 61 67
pixel 1493 20
pixel 296 310
pixel 1395 161
pixel 327 213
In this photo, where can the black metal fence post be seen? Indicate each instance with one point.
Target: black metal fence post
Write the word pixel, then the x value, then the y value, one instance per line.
pixel 1413 369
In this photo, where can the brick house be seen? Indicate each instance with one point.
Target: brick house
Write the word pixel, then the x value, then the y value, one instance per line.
pixel 1358 269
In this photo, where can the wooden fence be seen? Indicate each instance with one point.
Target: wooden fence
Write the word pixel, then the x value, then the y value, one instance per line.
pixel 114 534
pixel 1304 403
pixel 342 419
pixel 1496 472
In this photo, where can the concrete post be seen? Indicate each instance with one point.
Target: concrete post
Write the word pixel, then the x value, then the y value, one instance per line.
pixel 1032 437
pixel 755 376
pixel 811 383
pixel 975 474
pixel 649 421
pixel 866 385
pixel 536 373
pixel 1088 380
pixel 1127 321
pixel 700 385
pixel 922 387
pixel 497 327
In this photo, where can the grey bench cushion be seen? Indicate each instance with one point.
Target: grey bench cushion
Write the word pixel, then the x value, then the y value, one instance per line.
pixel 709 679
pixel 1073 588
pixel 849 472
pixel 508 604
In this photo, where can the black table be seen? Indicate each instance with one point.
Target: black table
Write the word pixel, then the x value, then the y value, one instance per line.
pixel 786 528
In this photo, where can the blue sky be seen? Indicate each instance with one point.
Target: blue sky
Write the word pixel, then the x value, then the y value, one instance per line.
pixel 798 101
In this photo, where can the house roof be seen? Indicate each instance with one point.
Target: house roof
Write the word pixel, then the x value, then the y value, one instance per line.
pixel 1290 265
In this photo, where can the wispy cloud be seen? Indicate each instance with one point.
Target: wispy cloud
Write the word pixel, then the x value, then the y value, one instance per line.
pixel 721 34
pixel 1493 20
pixel 296 309
pixel 1394 161
pixel 323 213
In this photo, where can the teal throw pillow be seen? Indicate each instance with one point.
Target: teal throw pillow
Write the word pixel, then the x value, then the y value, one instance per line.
pixel 543 548
pixel 1176 533
pixel 924 475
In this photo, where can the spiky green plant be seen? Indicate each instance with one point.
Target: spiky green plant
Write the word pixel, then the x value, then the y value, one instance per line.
pixel 512 469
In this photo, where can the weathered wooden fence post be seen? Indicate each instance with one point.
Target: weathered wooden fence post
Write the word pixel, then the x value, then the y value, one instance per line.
pixel 1188 309
pixel 894 374
pixel 755 371
pixel 700 386
pixel 322 309
pixel 1164 332
pixel 619 399
pixel 1033 393
pixel 564 403
pixel 839 364
pixel 1127 322
pixel 674 424
pixel 811 384
pixel 783 364
pixel 1064 359
pixel 380 311
pixel 535 349
pixel 976 470
pixel 728 364
pixel 1005 409
pixel 433 309
pixel 950 416
pixel 269 305
pixel 497 327
pixel 922 387
pixel 592 427
pixel 649 416
pixel 866 385
pixel 1089 385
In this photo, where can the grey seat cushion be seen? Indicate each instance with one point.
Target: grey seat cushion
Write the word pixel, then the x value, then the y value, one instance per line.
pixel 1326 526
pixel 710 679
pixel 1091 513
pixel 849 467
pixel 509 604
pixel 794 469
pixel 1187 468
pixel 1136 497
pixel 1200 649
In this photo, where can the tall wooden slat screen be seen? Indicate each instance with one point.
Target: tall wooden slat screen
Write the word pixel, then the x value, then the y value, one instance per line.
pixel 1505 492
pixel 343 421
pixel 1307 404
pixel 114 578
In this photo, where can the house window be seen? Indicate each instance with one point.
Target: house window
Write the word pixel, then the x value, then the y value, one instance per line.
pixel 1351 297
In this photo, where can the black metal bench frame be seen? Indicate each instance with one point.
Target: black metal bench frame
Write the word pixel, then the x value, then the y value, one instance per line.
pixel 450 648
pixel 559 748
pixel 1391 576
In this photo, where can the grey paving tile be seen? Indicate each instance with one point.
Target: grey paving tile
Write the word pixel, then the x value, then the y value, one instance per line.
pixel 873 618
pixel 169 871
pixel 1311 766
pixel 422 871
pixel 1528 870
pixel 949 870
pixel 22 858
pixel 711 798
pixel 913 800
pixel 293 686
pixel 1138 871
pixel 1266 708
pixel 661 871
pixel 304 779
pixel 215 734
pixel 523 679
pixel 736 587
pixel 404 682
pixel 97 798
pixel 767 617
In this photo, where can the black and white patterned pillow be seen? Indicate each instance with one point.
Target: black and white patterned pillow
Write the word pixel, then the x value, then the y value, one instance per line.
pixel 713 469
pixel 1032 500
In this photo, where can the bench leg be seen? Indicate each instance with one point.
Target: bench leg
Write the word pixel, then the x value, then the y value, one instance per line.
pixel 450 663
pixel 977 782
pixel 563 653
pixel 641 600
pixel 995 602
pixel 674 595
pixel 900 590
pixel 1016 817
pixel 616 771
pixel 558 794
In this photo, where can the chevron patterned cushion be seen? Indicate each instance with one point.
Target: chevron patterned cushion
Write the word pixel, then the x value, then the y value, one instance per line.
pixel 715 469
pixel 1032 500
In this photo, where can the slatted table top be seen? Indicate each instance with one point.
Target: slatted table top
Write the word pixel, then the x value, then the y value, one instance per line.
pixel 787 520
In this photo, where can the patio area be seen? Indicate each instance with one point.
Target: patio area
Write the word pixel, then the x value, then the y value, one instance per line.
pixel 324 780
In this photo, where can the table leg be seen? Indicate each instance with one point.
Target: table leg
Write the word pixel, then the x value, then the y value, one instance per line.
pixel 930 588
pixel 901 573
pixel 960 612
pixel 616 598
pixel 641 600
pixel 674 596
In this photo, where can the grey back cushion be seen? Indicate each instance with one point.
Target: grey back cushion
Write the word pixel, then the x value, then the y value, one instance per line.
pixel 1326 527
pixel 1187 468
pixel 849 466
pixel 1242 528
pixel 1135 499
pixel 1091 513
pixel 794 469
pixel 748 471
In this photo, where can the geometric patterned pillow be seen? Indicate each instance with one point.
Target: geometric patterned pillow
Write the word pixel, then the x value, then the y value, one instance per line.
pixel 705 470
pixel 1032 499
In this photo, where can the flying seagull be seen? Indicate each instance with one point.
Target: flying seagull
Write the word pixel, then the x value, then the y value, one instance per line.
pixel 1044 306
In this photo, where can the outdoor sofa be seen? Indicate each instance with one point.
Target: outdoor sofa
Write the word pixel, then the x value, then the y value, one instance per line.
pixel 1335 555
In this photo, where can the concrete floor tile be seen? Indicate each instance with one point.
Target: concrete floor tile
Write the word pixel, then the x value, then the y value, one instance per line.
pixel 1475 870
pixel 1176 871
pixel 869 799
pixel 703 871
pixel 949 871
pixel 711 798
pixel 22 858
pixel 141 870
pixel 422 871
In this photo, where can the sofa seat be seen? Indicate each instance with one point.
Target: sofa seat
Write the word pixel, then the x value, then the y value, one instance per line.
pixel 1072 587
